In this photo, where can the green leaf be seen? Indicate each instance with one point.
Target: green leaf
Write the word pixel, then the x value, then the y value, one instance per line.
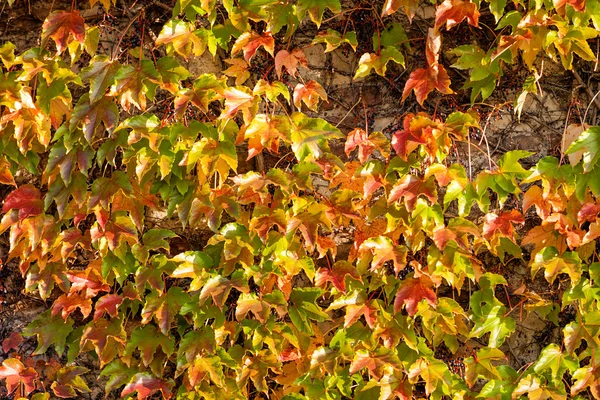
pixel 316 8
pixel 303 309
pixel 556 361
pixel 309 136
pixel 333 39
pixel 50 330
pixel 101 73
pixel 147 339
pixel 378 62
pixel 588 143
pixel 480 366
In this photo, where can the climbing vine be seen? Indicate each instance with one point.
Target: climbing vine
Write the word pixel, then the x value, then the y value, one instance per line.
pixel 372 272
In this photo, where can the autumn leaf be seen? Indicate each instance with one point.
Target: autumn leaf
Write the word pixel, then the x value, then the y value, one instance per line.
pixel 180 37
pixel 554 263
pixel 588 143
pixel 50 330
pixel 107 304
pixel 411 292
pixel 501 225
pixel 250 42
pixel 337 275
pixel 366 145
pixel 333 39
pixel 236 100
pixel 26 199
pixel 410 188
pixel 453 12
pixel 309 93
pixel 12 342
pixel 145 384
pixel 391 6
pixel 378 62
pixel 316 8
pixel 480 365
pixel 239 69
pixel 290 60
pixel 6 176
pixel 66 304
pixel 424 80
pixel 63 27
pixel 15 373
pixel 69 382
pixel 101 73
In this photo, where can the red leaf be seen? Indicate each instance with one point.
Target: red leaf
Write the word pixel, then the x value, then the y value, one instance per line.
pixel 418 129
pixel 502 223
pixel 410 187
pixel 249 42
pixel 411 292
pixel 67 304
pixel 145 384
pixel 107 304
pixel 60 25
pixel 452 12
pixel 89 280
pixel 290 61
pixel 587 212
pixel 15 374
pixel 26 199
pixel 337 275
pixel 12 342
pixel 424 80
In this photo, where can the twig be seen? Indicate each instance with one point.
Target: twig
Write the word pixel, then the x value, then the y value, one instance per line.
pixel 587 88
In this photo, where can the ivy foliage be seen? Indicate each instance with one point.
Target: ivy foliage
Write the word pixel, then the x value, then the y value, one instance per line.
pixel 274 303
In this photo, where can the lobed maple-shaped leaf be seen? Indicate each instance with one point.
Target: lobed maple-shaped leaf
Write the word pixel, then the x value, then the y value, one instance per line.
pixel 49 330
pixel 206 368
pixel 180 37
pixel 366 144
pixel 107 338
pixel 16 374
pixel 501 225
pixel 69 381
pixel 424 80
pixel 382 249
pixel 89 280
pixel 239 69
pixel 134 84
pixel 316 8
pixel 117 230
pixel 556 360
pixel 374 362
pixel 410 188
pixel 333 39
pixel 250 42
pixel 145 384
pixel 207 88
pixel 378 61
pixel 355 311
pixel 101 72
pixel 164 307
pixel 66 304
pixel 337 275
pixel 554 263
pixel 92 116
pixel 147 339
pixel 309 93
pixel 434 372
pixel 412 291
pixel 107 304
pixel 237 99
pixel 26 199
pixel 480 365
pixel 453 12
pixel 309 136
pixel 12 342
pixel 64 27
pixel 265 132
pixel 290 60
pixel 391 6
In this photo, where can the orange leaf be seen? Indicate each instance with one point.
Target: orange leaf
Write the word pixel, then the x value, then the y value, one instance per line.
pixel 15 374
pixel 249 42
pixel 355 311
pixel 107 304
pixel 67 304
pixel 61 25
pixel 410 187
pixel 290 61
pixel 309 93
pixel 452 12
pixel 12 342
pixel 412 291
pixel 391 6
pixel 423 81
pixel 503 223
pixel 337 275
pixel 145 384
